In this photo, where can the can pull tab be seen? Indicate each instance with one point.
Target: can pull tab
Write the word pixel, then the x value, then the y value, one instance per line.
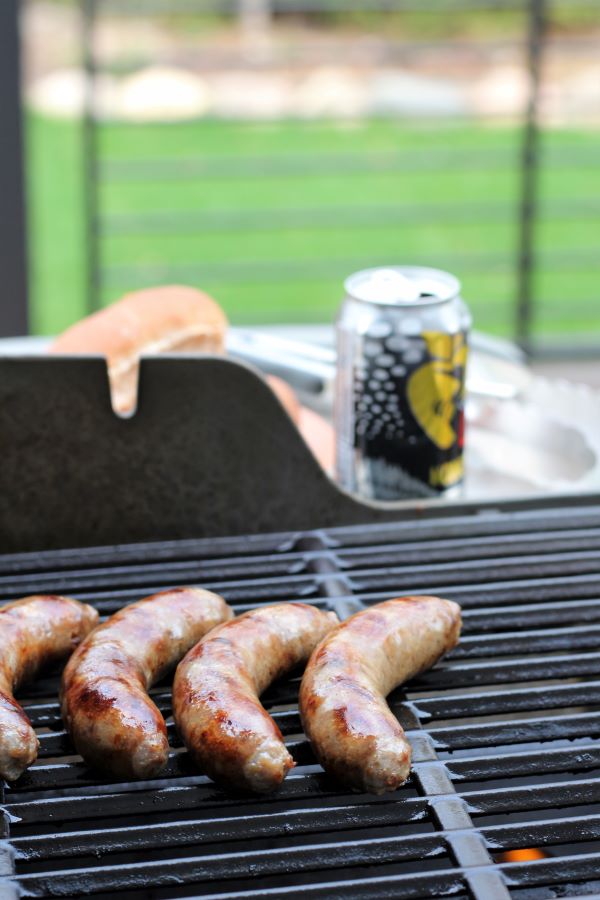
pixel 427 287
pixel 391 286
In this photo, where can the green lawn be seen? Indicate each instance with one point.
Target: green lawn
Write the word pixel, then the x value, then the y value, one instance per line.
pixel 269 218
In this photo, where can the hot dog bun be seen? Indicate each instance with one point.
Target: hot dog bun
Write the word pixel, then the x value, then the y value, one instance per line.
pixel 157 320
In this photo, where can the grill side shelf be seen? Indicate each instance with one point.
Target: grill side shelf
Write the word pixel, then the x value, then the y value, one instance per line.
pixel 210 437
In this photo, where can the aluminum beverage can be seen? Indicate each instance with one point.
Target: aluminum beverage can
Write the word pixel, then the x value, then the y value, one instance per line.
pixel 402 342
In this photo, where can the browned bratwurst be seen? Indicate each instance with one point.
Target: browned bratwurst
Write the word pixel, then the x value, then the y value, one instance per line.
pixel 218 683
pixel 354 733
pixel 34 632
pixel 105 705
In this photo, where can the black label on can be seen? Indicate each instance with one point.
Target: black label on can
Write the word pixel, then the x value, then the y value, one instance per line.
pixel 409 412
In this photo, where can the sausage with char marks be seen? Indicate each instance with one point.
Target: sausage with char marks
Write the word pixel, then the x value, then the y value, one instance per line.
pixel 217 686
pixel 354 733
pixel 105 704
pixel 34 632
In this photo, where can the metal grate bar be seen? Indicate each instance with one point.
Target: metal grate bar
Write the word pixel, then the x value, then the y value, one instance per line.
pixel 488 547
pixel 537 796
pixel 531 614
pixel 530 762
pixel 494 734
pixel 153 573
pixel 202 794
pixel 511 642
pixel 513 700
pixel 481 571
pixel 469 673
pixel 487 522
pixel 211 830
pixel 484 577
pixel 482 548
pixel 435 884
pixel 437 523
pixel 248 548
pixel 494 594
pixel 567 868
pixel 216 866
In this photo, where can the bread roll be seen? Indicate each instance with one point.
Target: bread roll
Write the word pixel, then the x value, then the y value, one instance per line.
pixel 157 320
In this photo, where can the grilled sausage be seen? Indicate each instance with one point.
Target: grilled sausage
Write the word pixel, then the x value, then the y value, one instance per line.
pixel 34 632
pixel 105 705
pixel 354 733
pixel 218 683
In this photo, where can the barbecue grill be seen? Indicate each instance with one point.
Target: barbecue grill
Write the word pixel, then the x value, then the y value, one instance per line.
pixel 504 732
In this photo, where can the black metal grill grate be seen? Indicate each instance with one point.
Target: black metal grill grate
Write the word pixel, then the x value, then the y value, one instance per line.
pixel 505 732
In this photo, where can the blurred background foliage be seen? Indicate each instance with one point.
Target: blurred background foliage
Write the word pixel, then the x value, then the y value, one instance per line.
pixel 270 212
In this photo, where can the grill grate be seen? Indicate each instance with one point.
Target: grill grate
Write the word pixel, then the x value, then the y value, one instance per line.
pixel 505 732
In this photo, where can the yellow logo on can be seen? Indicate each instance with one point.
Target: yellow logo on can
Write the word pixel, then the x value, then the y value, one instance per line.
pixel 434 388
pixel 447 473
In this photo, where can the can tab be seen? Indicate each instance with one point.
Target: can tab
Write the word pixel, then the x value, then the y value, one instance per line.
pixel 385 286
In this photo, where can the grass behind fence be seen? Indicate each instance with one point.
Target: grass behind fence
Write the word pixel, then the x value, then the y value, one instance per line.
pixel 270 217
